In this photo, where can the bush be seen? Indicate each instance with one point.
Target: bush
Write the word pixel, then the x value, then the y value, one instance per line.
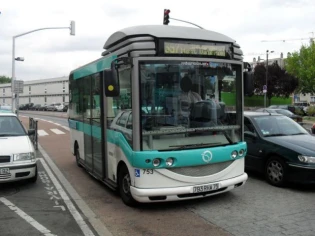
pixel 311 111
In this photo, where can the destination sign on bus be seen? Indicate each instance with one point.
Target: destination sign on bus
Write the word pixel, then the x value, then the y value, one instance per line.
pixel 194 49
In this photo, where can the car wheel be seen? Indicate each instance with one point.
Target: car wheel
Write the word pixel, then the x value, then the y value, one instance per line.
pixel 124 183
pixel 77 156
pixel 34 178
pixel 276 171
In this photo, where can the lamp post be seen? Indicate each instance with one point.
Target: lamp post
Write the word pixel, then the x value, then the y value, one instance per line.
pixel 266 86
pixel 72 32
pixel 17 94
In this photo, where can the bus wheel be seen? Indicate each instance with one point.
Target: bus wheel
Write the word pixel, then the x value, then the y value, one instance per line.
pixel 276 171
pixel 124 183
pixel 77 156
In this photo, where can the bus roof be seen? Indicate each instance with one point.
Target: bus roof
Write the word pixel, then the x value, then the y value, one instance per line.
pixel 166 31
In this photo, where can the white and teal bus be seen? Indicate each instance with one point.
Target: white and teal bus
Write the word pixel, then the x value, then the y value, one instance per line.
pixel 159 116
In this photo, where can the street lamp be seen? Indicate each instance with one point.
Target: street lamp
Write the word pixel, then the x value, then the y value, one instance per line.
pixel 72 32
pixel 17 94
pixel 266 86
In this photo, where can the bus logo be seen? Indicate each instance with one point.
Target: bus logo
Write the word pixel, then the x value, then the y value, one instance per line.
pixel 206 156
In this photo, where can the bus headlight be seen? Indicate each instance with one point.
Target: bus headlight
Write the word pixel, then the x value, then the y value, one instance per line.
pixel 156 162
pixel 241 152
pixel 234 154
pixel 169 161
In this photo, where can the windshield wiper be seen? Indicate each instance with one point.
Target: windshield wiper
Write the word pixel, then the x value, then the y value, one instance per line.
pixel 9 135
pixel 272 135
pixel 179 147
pixel 298 133
pixel 5 135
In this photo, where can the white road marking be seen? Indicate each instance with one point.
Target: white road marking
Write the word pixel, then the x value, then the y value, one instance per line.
pixel 76 215
pixel 66 128
pixel 89 214
pixel 57 131
pixel 26 217
pixel 41 132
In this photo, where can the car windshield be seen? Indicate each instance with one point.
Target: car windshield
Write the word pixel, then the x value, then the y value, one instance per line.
pixel 278 126
pixel 11 126
pixel 184 104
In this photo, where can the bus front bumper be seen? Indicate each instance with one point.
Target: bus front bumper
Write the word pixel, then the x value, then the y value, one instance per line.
pixel 187 192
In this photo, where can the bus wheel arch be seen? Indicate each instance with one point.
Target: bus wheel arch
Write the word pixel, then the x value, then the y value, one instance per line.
pixel 124 183
pixel 77 153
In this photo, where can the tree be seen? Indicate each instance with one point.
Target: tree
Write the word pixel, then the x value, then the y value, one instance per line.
pixel 280 83
pixel 4 79
pixel 302 65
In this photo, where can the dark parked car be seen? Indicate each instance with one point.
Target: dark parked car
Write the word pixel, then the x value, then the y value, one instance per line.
pixel 280 148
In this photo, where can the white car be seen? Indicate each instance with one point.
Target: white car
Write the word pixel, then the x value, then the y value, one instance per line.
pixel 17 153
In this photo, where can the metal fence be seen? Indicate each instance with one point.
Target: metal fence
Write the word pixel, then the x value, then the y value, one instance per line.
pixel 34 138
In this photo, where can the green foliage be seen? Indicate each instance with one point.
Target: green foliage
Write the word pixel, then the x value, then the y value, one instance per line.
pixel 302 65
pixel 311 111
pixel 279 82
pixel 4 79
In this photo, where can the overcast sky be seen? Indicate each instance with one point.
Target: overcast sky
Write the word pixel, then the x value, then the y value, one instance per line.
pixel 54 53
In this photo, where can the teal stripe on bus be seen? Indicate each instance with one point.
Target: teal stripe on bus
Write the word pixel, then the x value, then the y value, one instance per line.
pixel 190 157
pixel 94 67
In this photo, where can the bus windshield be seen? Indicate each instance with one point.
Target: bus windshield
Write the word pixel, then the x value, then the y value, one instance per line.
pixel 185 104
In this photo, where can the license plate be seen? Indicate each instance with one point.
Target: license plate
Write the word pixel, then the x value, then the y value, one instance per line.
pixel 4 171
pixel 205 188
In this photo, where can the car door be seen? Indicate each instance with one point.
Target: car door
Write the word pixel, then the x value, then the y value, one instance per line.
pixel 254 157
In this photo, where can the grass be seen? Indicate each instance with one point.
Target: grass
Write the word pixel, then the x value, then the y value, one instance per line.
pixel 254 101
pixel 310 118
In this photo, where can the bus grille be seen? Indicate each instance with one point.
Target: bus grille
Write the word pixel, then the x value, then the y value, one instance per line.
pixel 203 170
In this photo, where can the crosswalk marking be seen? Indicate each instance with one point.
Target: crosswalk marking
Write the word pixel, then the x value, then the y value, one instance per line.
pixel 57 131
pixel 66 128
pixel 41 132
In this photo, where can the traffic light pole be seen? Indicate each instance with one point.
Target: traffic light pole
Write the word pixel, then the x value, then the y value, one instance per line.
pixel 187 22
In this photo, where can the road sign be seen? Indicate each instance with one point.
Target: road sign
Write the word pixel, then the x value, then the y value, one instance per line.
pixel 265 89
pixel 18 86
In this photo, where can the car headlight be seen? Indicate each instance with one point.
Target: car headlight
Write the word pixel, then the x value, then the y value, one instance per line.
pixel 306 159
pixel 30 156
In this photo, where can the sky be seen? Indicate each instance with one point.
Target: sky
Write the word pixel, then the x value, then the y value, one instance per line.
pixel 54 53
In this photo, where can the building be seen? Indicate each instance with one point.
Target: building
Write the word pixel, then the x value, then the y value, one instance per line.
pixel 43 92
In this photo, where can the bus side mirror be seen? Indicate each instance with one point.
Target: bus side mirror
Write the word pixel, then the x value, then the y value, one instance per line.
pixel 248 83
pixel 111 81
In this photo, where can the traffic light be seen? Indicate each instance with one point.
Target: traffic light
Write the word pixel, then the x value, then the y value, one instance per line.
pixel 166 16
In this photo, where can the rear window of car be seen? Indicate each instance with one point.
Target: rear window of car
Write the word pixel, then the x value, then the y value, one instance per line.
pixel 11 126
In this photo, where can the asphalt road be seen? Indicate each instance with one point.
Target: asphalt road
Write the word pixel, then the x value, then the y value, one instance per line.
pixel 39 208
pixel 257 208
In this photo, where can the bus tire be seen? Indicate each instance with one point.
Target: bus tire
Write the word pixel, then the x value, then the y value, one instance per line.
pixel 77 155
pixel 275 171
pixel 124 183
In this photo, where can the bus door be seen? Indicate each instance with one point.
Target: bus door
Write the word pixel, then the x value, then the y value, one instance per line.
pixel 96 126
pixel 92 125
pixel 113 106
